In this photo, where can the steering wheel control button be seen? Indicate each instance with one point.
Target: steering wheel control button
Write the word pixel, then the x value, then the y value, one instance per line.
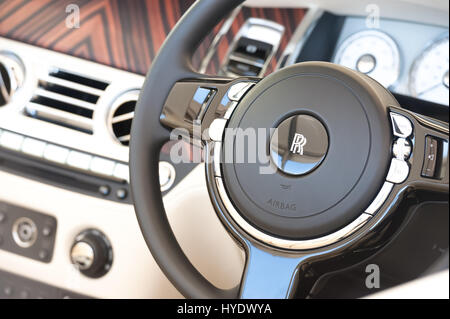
pixel 430 159
pixel 238 90
pixel 216 129
pixel 199 104
pixel 398 172
pixel 299 144
pixel 401 149
pixel 24 232
pixel 166 175
pixel 91 253
pixel 401 125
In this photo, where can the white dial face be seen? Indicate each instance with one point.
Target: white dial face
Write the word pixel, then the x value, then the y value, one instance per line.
pixel 429 73
pixel 373 53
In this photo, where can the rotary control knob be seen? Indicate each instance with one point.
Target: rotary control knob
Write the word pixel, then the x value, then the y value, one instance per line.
pixel 92 253
pixel 11 76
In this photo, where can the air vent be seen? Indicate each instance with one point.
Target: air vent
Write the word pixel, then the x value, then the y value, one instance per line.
pixel 66 99
pixel 122 113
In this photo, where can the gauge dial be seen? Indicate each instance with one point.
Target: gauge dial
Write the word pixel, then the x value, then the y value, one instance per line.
pixel 373 53
pixel 429 73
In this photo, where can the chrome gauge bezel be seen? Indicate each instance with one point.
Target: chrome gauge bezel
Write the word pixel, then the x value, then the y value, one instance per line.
pixel 385 37
pixel 419 59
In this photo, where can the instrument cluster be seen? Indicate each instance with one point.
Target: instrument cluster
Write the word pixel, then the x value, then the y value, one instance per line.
pixel 377 54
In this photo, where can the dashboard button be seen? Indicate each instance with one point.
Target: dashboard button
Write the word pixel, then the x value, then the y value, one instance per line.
pixel 33 147
pixel 122 171
pixel 79 160
pixel 102 166
pixel 11 140
pixel 56 154
pixel 121 193
pixel 104 190
pixel 430 159
pixel 166 175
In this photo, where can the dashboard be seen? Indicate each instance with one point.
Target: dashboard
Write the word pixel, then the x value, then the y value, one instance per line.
pixel 67 98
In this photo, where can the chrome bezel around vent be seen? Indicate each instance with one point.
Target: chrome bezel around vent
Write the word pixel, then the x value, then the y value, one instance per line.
pixel 127 97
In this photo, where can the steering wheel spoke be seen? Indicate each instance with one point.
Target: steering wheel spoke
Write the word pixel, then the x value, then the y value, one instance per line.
pixel 269 275
pixel 194 103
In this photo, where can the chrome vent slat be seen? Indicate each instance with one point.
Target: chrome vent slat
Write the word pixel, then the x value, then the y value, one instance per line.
pixel 69 91
pixel 56 116
pixel 125 138
pixel 74 85
pixel 122 117
pixel 64 98
pixel 80 79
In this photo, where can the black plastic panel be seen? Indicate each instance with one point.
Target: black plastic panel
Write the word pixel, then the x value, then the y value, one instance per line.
pixel 423 240
pixel 59 176
pixel 17 287
pixel 42 248
pixel 322 42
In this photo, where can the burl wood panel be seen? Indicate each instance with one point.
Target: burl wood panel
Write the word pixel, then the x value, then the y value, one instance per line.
pixel 122 34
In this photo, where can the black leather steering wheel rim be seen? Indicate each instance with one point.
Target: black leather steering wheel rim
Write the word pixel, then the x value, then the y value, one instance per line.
pixel 148 136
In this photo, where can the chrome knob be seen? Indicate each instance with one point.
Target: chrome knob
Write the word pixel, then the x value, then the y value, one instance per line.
pixel 11 76
pixel 82 255
pixel 92 253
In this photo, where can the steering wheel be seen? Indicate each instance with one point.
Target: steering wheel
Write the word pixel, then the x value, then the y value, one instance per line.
pixel 336 156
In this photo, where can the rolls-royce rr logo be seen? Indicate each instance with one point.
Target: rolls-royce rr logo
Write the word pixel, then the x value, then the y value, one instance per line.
pixel 298 142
